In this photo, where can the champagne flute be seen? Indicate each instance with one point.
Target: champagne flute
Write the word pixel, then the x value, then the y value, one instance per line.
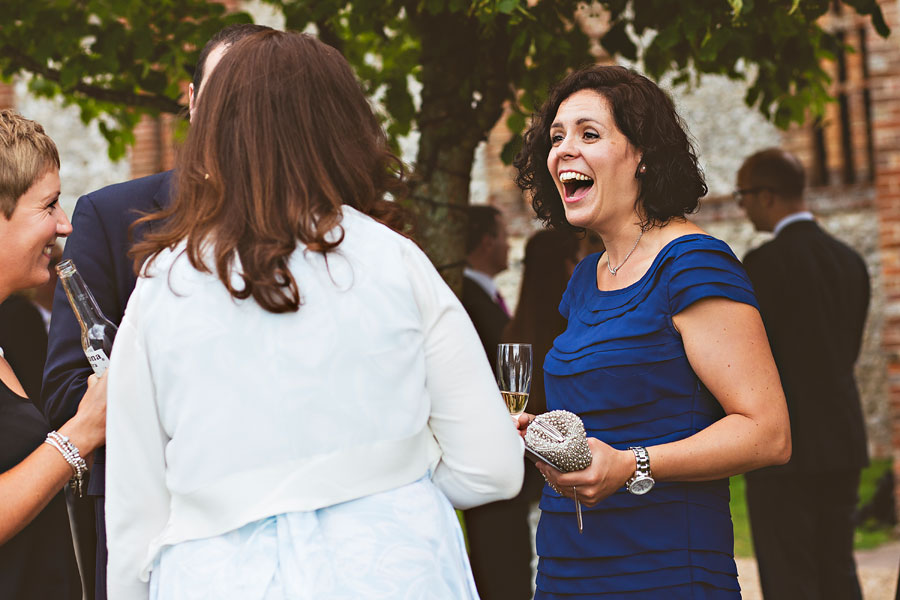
pixel 514 376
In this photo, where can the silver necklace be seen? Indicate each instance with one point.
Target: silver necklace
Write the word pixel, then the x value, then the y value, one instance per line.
pixel 627 256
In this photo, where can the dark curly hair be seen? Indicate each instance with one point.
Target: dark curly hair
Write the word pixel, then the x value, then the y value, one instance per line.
pixel 672 184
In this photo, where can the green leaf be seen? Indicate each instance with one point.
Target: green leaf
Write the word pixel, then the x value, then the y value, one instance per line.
pixel 507 6
pixel 516 122
pixel 616 41
pixel 511 148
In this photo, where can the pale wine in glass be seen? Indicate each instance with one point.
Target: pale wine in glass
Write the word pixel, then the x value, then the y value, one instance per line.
pixel 514 376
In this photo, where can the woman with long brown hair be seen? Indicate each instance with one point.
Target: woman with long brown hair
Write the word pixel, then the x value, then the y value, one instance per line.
pixel 295 393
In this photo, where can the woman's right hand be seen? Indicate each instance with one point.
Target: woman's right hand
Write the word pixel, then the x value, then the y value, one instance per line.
pixel 87 429
pixel 608 472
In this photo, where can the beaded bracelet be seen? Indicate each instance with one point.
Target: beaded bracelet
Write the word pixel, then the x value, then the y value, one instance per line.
pixel 72 456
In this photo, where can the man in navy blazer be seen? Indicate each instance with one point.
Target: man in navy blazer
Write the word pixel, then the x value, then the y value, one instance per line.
pixel 813 293
pixel 99 247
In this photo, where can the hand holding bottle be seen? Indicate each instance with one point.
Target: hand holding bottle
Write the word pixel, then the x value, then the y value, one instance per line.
pixel 87 429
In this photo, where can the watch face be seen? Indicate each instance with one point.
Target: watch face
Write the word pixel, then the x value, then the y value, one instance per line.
pixel 641 486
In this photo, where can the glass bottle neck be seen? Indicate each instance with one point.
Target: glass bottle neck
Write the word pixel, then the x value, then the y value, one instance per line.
pixel 80 297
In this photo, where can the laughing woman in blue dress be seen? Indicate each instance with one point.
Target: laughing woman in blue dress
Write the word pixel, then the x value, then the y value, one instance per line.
pixel 664 358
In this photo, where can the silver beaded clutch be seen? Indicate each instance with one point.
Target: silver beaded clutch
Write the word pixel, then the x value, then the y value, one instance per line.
pixel 558 438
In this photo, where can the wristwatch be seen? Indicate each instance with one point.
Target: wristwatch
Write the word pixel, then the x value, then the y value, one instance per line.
pixel 642 481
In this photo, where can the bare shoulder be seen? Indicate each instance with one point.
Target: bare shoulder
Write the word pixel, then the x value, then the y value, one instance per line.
pixel 8 378
pixel 672 230
pixel 677 228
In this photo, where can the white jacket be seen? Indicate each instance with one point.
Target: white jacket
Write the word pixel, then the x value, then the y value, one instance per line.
pixel 221 413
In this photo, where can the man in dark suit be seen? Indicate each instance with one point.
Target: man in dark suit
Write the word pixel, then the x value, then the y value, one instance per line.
pixel 813 292
pixel 487 253
pixel 499 534
pixel 99 246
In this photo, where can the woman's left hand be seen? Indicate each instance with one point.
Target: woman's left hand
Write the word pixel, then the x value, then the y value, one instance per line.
pixel 522 422
pixel 608 472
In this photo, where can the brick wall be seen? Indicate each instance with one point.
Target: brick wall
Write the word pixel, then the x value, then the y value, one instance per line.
pixel 154 148
pixel 885 73
pixel 7 96
pixel 155 145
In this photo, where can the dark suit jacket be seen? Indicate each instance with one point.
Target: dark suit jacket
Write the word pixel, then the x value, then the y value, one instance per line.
pixel 488 317
pixel 23 338
pixel 99 246
pixel 813 292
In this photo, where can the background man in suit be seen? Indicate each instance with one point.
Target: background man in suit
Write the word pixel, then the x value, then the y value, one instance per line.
pixel 499 535
pixel 813 292
pixel 99 248
pixel 487 254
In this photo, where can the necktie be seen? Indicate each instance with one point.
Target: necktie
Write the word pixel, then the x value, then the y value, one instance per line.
pixel 499 300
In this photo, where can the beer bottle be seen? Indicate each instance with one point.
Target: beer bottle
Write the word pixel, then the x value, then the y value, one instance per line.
pixel 97 332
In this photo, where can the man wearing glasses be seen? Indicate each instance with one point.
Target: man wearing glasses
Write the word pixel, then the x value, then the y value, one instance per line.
pixel 813 293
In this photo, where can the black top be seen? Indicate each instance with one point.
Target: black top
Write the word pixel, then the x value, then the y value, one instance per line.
pixel 23 338
pixel 39 562
pixel 813 293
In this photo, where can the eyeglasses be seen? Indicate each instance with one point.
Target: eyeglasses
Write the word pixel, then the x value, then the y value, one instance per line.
pixel 738 195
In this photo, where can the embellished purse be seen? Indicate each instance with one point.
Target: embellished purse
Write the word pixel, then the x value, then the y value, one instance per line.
pixel 558 439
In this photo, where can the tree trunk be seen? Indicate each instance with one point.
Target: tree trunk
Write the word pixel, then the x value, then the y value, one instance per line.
pixel 463 89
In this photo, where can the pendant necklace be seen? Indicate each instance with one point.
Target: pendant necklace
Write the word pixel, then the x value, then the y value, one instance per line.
pixel 627 256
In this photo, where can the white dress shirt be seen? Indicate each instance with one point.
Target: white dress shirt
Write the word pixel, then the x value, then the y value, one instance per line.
pixel 221 413
pixel 803 215
pixel 486 282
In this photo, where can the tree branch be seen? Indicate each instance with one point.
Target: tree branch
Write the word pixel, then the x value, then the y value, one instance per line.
pixel 138 100
pixel 328 36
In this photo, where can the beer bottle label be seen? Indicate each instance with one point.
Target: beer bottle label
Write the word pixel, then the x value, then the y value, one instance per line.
pixel 98 359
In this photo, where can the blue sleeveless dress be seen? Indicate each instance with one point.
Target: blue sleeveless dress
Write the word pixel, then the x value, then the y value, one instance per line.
pixel 621 366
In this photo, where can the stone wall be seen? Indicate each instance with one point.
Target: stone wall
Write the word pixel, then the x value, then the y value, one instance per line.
pixel 84 163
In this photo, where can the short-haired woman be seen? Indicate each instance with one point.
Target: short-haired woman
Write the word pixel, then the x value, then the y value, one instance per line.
pixel 37 559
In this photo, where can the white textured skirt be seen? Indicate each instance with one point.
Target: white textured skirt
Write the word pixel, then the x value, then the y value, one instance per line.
pixel 403 543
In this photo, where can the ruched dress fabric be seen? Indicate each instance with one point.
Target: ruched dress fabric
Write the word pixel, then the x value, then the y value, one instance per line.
pixel 621 366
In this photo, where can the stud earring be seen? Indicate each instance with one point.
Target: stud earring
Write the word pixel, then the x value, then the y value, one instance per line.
pixel 642 169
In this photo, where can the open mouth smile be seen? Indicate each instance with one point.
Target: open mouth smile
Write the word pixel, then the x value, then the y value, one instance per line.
pixel 576 185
